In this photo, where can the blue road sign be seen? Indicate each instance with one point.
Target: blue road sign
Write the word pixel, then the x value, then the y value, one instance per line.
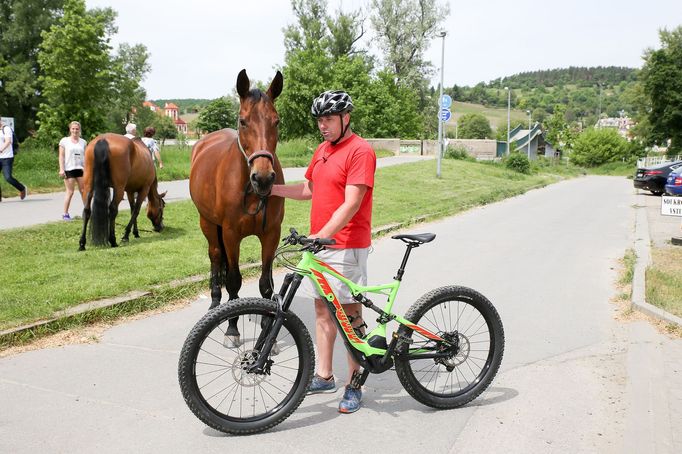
pixel 445 101
pixel 445 115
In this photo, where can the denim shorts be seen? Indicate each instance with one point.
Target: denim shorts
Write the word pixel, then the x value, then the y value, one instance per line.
pixel 352 263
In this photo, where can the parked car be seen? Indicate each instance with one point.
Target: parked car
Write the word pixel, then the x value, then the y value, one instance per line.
pixel 674 184
pixel 654 178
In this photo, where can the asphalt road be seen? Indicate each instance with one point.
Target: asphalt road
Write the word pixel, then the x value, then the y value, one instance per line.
pixel 573 378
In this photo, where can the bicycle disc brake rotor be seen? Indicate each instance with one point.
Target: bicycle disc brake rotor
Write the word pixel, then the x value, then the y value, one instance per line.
pixel 240 367
pixel 460 350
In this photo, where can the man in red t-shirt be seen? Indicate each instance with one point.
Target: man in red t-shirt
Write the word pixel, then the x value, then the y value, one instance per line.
pixel 340 181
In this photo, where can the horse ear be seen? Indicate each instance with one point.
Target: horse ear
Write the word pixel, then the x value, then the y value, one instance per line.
pixel 243 84
pixel 276 86
pixel 163 194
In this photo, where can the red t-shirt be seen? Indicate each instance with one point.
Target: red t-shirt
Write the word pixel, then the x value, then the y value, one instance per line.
pixel 332 167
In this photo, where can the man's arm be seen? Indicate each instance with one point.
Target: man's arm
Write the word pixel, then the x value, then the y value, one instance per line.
pixel 354 194
pixel 300 191
pixel 8 138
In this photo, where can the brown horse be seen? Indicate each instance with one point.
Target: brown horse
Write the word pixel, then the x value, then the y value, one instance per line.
pixel 230 179
pixel 115 161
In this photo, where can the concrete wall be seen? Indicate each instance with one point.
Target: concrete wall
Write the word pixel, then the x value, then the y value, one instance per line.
pixel 482 149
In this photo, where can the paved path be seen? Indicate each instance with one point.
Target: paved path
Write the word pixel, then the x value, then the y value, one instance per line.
pixel 42 208
pixel 573 378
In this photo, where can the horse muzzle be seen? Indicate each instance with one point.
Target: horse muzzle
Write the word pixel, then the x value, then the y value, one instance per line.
pixel 262 175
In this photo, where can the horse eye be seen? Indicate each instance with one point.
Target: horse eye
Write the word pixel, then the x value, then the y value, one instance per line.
pixel 277 122
pixel 242 123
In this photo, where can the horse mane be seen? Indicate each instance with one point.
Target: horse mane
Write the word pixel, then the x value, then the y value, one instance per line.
pixel 255 94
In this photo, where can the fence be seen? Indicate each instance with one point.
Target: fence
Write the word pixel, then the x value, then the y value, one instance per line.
pixel 655 160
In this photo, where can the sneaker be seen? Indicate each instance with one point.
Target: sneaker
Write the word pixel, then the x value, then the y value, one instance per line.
pixel 321 385
pixel 351 400
pixel 66 217
pixel 23 193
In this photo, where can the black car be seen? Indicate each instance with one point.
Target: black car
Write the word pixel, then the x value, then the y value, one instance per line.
pixel 653 178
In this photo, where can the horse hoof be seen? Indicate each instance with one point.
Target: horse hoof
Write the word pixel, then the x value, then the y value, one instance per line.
pixel 231 341
pixel 124 240
pixel 81 248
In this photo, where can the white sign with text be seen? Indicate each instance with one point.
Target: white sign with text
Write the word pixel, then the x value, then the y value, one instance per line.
pixel 671 206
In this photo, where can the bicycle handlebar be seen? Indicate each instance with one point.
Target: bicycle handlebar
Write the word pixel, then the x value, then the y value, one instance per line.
pixel 295 239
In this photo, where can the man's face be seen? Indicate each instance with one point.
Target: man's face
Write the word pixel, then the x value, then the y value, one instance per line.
pixel 330 126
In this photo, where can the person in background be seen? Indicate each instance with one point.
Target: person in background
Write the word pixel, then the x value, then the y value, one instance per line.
pixel 340 182
pixel 7 159
pixel 71 160
pixel 148 140
pixel 131 130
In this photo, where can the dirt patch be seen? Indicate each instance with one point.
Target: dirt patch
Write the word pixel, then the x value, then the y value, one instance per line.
pixel 89 334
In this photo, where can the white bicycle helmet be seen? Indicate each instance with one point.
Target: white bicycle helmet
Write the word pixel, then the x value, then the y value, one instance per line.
pixel 331 102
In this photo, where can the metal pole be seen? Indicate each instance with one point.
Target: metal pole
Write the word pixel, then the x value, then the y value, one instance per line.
pixel 508 115
pixel 529 135
pixel 440 120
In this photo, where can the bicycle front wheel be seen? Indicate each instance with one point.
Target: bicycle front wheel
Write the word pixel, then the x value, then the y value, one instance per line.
pixel 214 372
pixel 466 319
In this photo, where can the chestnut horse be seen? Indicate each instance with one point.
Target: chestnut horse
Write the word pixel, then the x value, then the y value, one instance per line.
pixel 230 179
pixel 115 161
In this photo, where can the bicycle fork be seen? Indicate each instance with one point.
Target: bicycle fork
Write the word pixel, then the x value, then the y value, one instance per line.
pixel 270 325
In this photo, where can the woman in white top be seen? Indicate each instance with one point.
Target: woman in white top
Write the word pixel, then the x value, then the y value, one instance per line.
pixel 71 159
pixel 148 140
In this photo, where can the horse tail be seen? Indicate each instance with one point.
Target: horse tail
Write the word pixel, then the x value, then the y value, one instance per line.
pixel 101 178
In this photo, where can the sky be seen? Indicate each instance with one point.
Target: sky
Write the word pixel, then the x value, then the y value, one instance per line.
pixel 198 47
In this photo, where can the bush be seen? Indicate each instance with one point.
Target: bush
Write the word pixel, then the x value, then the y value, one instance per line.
pixel 595 147
pixel 518 162
pixel 457 152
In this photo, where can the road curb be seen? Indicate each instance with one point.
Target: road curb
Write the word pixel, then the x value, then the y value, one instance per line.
pixel 643 253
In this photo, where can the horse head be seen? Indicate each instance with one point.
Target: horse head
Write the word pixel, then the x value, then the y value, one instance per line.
pixel 155 208
pixel 257 130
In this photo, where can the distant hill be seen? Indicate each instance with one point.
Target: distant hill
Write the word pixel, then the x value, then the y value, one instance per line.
pixel 586 92
pixel 574 75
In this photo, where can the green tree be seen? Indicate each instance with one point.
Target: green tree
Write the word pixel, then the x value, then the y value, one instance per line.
pixel 77 73
pixel 21 25
pixel 595 147
pixel 662 80
pixel 165 127
pixel 130 67
pixel 405 29
pixel 559 132
pixel 474 126
pixel 220 113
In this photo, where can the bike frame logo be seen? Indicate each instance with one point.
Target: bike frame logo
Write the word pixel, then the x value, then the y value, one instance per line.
pixel 340 314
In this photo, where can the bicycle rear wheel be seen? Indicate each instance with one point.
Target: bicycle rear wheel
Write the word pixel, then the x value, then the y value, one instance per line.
pixel 215 380
pixel 466 317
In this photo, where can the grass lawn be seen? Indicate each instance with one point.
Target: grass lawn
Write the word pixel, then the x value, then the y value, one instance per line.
pixel 496 115
pixel 664 279
pixel 48 274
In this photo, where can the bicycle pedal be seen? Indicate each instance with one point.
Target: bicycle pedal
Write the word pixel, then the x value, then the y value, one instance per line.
pixel 231 341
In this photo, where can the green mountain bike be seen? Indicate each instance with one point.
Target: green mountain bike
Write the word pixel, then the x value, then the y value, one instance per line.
pixel 446 349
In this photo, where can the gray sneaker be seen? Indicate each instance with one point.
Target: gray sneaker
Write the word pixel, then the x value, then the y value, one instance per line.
pixel 320 385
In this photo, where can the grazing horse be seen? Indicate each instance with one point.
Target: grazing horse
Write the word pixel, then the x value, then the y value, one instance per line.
pixel 230 179
pixel 115 161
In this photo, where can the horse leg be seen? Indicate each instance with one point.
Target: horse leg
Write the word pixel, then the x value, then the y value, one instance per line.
pixel 113 212
pixel 135 206
pixel 268 242
pixel 233 282
pixel 213 234
pixel 87 211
